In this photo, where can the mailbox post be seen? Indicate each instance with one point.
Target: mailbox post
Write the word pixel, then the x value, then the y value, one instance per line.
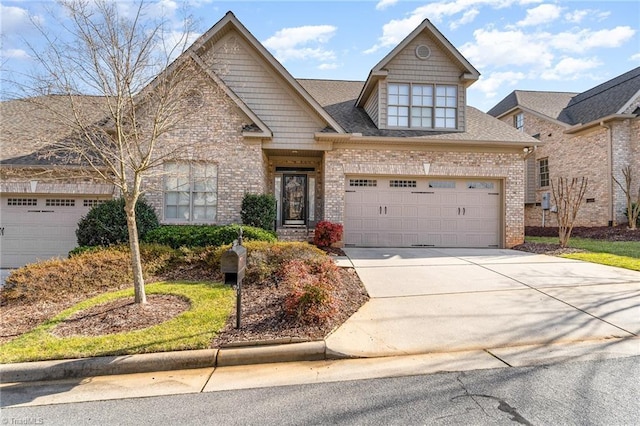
pixel 233 264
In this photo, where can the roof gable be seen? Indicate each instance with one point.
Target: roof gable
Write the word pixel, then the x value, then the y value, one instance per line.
pixel 469 73
pixel 230 23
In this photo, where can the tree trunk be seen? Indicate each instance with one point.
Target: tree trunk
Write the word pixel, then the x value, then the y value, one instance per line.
pixel 134 246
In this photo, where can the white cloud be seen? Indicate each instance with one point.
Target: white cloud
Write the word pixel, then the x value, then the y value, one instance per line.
pixel 15 54
pixel 302 43
pixel 394 31
pixel 577 16
pixel 570 69
pixel 501 48
pixel 584 40
pixel 542 14
pixel 331 66
pixel 383 4
pixel 16 20
pixel 466 18
pixel 635 57
pixel 495 81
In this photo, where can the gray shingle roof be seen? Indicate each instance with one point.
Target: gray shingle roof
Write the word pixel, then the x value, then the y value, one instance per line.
pixel 603 100
pixel 480 126
pixel 28 126
pixel 546 103
pixel 576 108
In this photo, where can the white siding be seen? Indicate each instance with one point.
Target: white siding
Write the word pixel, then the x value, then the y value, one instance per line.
pixel 291 120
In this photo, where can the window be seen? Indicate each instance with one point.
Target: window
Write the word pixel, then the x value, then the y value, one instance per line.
pixel 59 202
pixel 431 106
pixel 402 183
pixel 92 203
pixel 363 182
pixel 518 122
pixel 190 191
pixel 398 112
pixel 543 172
pixel 22 202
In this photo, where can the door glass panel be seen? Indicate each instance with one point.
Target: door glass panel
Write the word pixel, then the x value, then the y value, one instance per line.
pixel 294 199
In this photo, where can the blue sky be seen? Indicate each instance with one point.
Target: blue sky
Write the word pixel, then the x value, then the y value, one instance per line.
pixel 515 44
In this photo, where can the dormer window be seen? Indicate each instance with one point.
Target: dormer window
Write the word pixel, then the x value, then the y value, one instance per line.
pixel 422 106
pixel 518 121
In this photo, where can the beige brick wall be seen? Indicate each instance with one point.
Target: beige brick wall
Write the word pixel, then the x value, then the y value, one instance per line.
pixel 507 167
pixel 571 156
pixel 213 133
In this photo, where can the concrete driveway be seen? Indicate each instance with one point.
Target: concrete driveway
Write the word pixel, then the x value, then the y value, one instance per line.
pixel 444 300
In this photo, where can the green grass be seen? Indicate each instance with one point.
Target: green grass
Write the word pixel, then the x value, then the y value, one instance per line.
pixel 211 305
pixel 623 254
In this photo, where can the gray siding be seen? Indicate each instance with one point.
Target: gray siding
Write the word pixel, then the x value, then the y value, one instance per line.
pixel 292 121
pixel 371 106
pixel 439 68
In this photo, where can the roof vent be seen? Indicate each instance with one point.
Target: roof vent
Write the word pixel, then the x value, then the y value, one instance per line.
pixel 423 52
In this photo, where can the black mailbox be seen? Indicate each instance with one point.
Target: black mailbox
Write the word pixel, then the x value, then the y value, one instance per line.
pixel 233 264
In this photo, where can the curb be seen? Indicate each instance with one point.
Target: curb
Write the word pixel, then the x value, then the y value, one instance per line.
pixel 162 361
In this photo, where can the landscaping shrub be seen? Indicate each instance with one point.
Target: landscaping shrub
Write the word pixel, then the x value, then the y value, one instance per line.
pixel 327 233
pixel 177 236
pixel 106 223
pixel 94 271
pixel 259 210
pixel 311 290
pixel 265 260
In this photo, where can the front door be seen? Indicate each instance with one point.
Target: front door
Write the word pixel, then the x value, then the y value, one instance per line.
pixel 294 199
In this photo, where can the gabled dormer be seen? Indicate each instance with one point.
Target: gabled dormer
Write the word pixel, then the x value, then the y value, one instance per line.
pixel 419 85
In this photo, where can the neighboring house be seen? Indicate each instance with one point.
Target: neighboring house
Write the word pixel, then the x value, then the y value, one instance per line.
pixel 399 159
pixel 594 134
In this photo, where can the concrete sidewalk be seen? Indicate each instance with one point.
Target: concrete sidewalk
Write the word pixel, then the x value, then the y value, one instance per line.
pixel 445 300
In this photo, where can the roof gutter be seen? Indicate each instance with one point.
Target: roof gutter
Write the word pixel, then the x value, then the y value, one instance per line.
pixel 595 123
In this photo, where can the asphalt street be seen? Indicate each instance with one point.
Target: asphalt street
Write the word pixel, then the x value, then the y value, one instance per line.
pixel 602 392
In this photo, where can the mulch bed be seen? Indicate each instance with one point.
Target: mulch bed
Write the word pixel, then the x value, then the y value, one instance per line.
pixel 122 315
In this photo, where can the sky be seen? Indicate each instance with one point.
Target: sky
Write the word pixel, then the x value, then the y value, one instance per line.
pixel 568 46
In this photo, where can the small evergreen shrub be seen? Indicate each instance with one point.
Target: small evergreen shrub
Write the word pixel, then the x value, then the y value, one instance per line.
pixel 327 233
pixel 177 236
pixel 106 223
pixel 259 210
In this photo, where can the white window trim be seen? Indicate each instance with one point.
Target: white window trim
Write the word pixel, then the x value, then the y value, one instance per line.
pixel 434 107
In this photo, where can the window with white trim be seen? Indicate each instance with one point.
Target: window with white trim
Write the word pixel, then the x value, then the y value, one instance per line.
pixel 428 106
pixel 518 121
pixel 190 192
pixel 543 172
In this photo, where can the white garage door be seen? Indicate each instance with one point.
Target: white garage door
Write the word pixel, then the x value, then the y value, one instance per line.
pixel 425 212
pixel 39 227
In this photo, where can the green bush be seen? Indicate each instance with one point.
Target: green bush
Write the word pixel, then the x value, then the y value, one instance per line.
pixel 177 236
pixel 106 223
pixel 259 210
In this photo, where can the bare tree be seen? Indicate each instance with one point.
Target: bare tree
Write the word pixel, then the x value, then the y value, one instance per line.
pixel 128 62
pixel 568 196
pixel 633 206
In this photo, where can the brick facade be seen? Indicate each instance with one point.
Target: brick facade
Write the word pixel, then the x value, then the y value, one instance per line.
pixel 583 154
pixel 509 168
pixel 214 134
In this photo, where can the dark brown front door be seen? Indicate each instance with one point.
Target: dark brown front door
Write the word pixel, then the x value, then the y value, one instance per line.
pixel 294 199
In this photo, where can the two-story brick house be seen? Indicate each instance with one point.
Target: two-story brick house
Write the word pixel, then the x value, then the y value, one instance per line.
pixel 594 134
pixel 400 159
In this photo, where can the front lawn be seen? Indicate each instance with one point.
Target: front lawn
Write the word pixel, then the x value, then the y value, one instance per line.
pixel 210 306
pixel 623 254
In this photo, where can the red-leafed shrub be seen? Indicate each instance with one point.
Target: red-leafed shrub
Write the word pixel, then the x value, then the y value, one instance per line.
pixel 327 233
pixel 311 290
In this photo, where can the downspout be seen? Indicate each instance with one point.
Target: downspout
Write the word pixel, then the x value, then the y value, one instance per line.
pixel 610 167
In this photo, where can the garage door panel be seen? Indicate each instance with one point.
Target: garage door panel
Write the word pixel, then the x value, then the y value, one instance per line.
pixel 41 230
pixel 424 212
